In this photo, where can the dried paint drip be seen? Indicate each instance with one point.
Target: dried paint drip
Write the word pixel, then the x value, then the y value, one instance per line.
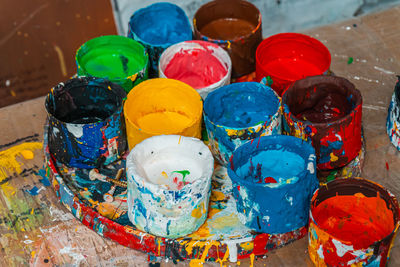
pixel 288 57
pixel 393 117
pixel 235 25
pixel 157 27
pixel 278 169
pixel 237 113
pixel 169 183
pixel 86 126
pixel 117 58
pixel 352 221
pixel 162 106
pixel 203 65
pixel 326 110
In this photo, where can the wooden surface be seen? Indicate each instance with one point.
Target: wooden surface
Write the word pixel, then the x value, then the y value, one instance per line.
pixel 38 40
pixel 38 230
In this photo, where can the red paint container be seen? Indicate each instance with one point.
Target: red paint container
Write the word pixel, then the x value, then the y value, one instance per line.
pixel 288 57
pixel 353 222
pixel 327 111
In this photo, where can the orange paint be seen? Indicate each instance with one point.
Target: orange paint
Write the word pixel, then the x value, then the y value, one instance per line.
pixel 162 106
pixel 355 218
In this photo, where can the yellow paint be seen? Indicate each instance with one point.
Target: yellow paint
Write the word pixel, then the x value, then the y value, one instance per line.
pixel 200 244
pixel 217 196
pixel 32 211
pixel 238 263
pixel 163 173
pixel 199 211
pixel 133 77
pixel 9 163
pixel 225 258
pixel 251 259
pixel 333 157
pixel 162 106
pixel 248 246
pixel 33 252
pixel 60 55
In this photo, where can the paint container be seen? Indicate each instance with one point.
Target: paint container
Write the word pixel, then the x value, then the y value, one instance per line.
pixel 86 125
pixel 237 113
pixel 203 65
pixel 169 184
pixel 352 223
pixel 326 110
pixel 235 25
pixel 162 106
pixel 393 117
pixel 157 27
pixel 288 57
pixel 273 180
pixel 119 59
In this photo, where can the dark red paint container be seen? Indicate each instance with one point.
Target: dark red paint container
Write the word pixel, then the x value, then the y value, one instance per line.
pixel 288 57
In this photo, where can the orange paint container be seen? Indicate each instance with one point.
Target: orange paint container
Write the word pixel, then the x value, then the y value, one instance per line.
pixel 162 106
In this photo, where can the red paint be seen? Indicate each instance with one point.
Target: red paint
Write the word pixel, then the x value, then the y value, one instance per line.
pixel 269 180
pixel 355 218
pixel 287 57
pixel 196 67
pixel 387 166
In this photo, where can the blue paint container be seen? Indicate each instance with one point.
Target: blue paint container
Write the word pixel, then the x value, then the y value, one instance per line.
pixel 86 125
pixel 157 27
pixel 273 180
pixel 237 113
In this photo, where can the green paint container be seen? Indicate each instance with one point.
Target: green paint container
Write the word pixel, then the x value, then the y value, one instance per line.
pixel 117 58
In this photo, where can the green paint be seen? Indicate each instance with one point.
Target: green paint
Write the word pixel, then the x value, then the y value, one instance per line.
pixel 114 57
pixel 331 176
pixel 184 174
pixel 350 60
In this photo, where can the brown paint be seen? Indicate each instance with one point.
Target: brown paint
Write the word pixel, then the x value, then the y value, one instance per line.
pixel 234 17
pixel 227 28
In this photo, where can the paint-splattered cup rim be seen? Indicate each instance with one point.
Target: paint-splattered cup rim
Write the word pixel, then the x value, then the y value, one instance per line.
pixel 197 44
pixel 290 37
pixel 357 182
pixel 307 153
pixel 139 180
pixel 270 119
pixel 338 121
pixel 237 39
pixel 143 86
pixel 114 42
pixel 167 5
pixel 109 86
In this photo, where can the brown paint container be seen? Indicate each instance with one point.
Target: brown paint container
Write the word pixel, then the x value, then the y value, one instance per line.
pixel 235 25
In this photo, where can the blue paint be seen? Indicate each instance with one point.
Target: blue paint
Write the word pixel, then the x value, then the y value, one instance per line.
pixel 33 191
pixel 86 125
pixel 239 112
pixel 157 27
pixel 268 206
pixel 45 181
pixel 241 105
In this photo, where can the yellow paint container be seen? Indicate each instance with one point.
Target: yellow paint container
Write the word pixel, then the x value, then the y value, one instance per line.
pixel 162 106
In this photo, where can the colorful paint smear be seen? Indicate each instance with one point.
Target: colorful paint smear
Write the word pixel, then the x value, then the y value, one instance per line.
pixel 86 125
pixel 177 205
pixel 162 106
pixel 288 57
pixel 393 117
pixel 352 222
pixel 203 65
pixel 235 25
pixel 117 58
pixel 158 26
pixel 275 169
pixel 237 113
pixel 326 110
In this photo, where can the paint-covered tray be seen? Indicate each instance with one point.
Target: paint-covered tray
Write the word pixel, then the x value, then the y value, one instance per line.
pixel 220 238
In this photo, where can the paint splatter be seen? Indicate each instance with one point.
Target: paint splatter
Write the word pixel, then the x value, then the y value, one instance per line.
pixel 350 60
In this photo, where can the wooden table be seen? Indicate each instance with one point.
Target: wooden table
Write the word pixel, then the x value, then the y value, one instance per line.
pixel 36 229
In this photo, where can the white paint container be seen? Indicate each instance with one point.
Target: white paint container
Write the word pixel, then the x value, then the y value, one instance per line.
pixel 169 184
pixel 189 48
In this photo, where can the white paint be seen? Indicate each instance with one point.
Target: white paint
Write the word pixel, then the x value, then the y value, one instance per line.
pixel 78 258
pixel 310 167
pixel 28 241
pixel 383 70
pixel 163 213
pixel 373 107
pixel 8 83
pixel 320 252
pixel 365 79
pixel 348 28
pixel 232 246
pixel 59 215
pixel 75 129
pixel 341 248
